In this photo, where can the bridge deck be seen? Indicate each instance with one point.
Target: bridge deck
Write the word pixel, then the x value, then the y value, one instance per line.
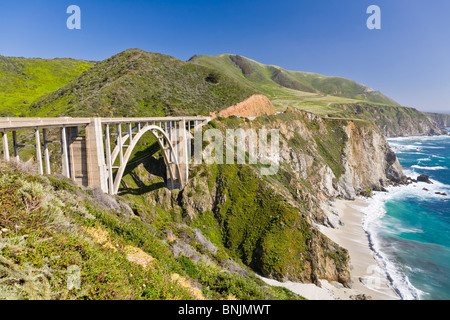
pixel 9 124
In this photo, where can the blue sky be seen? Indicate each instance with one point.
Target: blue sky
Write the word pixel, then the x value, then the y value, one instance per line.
pixel 408 59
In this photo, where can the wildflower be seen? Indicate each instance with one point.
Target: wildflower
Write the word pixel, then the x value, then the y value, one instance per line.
pixel 5 230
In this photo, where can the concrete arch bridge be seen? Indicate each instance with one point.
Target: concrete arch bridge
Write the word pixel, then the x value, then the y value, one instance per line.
pixel 89 159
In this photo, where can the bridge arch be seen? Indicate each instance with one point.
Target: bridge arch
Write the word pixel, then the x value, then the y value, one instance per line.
pixel 168 151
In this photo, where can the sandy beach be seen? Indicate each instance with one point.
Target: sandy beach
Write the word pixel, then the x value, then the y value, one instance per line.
pixel 367 275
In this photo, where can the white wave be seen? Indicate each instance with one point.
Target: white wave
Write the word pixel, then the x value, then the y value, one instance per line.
pixel 429 168
pixel 419 138
pixel 371 224
pixel 402 148
pixel 424 159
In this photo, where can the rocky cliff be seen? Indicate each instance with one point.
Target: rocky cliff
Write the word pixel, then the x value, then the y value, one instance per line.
pixel 326 158
pixel 268 222
pixel 442 119
pixel 394 121
pixel 256 105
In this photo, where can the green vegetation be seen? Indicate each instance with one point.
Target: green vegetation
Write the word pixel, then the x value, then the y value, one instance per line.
pixel 257 222
pixel 323 95
pixel 49 226
pixel 306 91
pixel 23 81
pixel 139 83
pixel 391 120
pixel 207 240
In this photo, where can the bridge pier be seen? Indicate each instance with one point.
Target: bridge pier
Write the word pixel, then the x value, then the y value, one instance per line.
pixel 5 146
pixel 95 159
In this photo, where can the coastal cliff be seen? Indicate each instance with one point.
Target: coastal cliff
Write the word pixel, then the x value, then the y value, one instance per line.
pixel 395 121
pixel 442 119
pixel 230 221
pixel 268 222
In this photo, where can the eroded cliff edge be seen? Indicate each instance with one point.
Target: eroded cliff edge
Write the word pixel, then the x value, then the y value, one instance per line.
pixel 268 222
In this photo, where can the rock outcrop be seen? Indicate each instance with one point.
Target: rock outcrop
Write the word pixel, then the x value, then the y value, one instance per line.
pixel 395 121
pixel 256 105
pixel 270 225
pixel 442 119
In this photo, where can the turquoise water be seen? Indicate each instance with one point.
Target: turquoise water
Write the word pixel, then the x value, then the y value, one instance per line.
pixel 409 226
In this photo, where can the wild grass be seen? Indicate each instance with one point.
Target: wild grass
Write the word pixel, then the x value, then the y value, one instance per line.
pixel 23 81
pixel 50 228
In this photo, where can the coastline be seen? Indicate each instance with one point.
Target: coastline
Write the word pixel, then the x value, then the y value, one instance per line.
pixel 367 276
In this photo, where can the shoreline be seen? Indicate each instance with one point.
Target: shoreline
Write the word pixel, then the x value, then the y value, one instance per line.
pixel 367 275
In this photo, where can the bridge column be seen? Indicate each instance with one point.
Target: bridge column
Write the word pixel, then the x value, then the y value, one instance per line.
pixel 108 159
pixel 15 146
pixel 46 153
pixel 120 142
pixel 64 153
pixel 38 152
pixel 183 153
pixel 173 158
pixel 96 166
pixel 5 146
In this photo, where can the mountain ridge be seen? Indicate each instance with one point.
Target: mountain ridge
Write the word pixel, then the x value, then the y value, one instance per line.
pixel 327 96
pixel 309 82
pixel 136 82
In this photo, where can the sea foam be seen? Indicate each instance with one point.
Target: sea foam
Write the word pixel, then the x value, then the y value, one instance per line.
pixel 372 225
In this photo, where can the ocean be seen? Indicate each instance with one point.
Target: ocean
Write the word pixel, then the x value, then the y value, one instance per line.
pixel 409 226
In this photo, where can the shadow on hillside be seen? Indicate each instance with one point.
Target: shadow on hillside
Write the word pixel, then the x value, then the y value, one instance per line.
pixel 154 167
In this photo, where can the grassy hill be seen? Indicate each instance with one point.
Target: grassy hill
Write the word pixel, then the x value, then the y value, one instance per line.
pixel 23 80
pixel 333 97
pixel 207 240
pixel 136 82
pixel 52 230
pixel 304 90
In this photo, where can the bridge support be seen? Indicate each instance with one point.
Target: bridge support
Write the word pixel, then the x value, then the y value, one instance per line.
pixel 95 156
pixel 5 146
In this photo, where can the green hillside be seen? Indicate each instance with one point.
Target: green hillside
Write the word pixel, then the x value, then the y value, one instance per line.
pixel 49 228
pixel 23 80
pixel 140 83
pixel 304 90
pixel 332 97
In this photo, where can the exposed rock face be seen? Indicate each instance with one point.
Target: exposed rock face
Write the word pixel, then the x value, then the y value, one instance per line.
pixel 256 105
pixel 366 158
pixel 442 119
pixel 271 225
pixel 369 162
pixel 396 121
pixel 424 178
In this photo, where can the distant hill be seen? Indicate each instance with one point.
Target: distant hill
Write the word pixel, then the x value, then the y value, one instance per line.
pixel 295 88
pixel 23 80
pixel 140 83
pixel 323 95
